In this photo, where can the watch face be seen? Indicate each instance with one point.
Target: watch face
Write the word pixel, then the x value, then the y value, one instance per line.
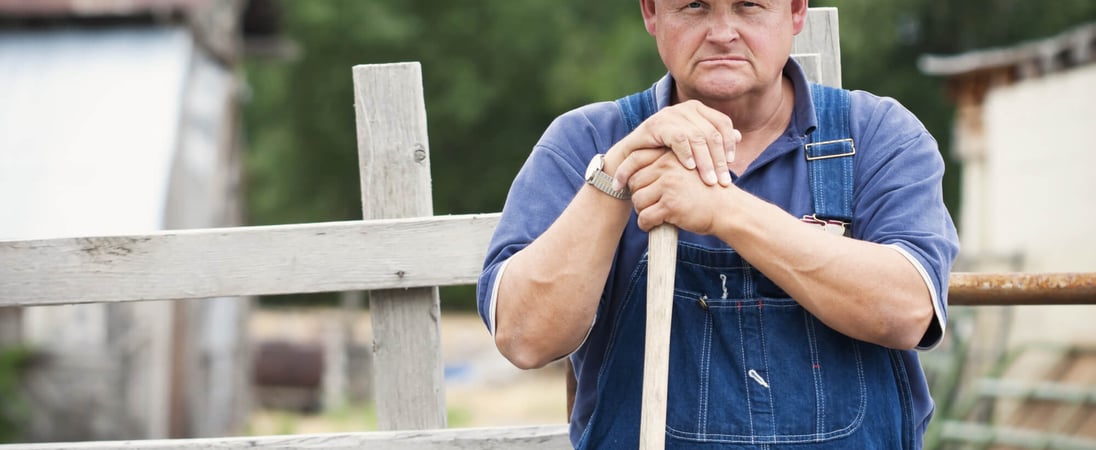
pixel 596 163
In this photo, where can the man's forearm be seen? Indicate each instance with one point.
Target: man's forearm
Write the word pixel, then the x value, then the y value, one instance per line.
pixel 548 295
pixel 865 290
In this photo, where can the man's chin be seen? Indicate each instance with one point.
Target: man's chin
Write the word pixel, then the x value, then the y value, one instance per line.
pixel 723 91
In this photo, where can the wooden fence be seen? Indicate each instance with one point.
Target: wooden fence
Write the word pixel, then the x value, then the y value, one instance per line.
pixel 400 252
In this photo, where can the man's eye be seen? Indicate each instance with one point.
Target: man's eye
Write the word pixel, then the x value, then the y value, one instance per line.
pixel 694 5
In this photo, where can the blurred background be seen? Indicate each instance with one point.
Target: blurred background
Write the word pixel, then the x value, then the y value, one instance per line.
pixel 126 116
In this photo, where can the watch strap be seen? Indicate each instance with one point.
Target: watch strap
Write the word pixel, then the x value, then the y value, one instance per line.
pixel 604 183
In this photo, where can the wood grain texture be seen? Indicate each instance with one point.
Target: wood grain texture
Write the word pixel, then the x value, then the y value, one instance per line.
pixel 550 437
pixel 820 38
pixel 394 158
pixel 661 268
pixel 222 262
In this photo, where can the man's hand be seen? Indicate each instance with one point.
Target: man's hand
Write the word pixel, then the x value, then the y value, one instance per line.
pixel 665 192
pixel 700 137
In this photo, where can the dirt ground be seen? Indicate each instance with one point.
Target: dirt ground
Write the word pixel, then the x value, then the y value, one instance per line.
pixel 482 388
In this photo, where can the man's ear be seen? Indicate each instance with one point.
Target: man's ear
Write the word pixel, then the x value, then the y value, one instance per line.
pixel 648 7
pixel 799 15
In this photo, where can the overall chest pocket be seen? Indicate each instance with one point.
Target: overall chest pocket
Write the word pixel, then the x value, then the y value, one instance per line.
pixel 751 366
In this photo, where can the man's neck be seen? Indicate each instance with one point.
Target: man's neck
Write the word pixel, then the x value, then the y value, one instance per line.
pixel 761 120
pixel 763 113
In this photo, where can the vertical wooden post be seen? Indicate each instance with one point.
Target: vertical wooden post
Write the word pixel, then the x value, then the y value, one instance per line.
pixel 393 155
pixel 661 268
pixel 817 48
pixel 11 326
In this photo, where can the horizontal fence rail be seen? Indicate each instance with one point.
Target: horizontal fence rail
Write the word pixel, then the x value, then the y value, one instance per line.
pixel 342 256
pixel 495 438
pixel 223 262
pixel 984 436
pixel 975 289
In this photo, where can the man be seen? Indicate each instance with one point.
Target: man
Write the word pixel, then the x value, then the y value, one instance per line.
pixel 784 336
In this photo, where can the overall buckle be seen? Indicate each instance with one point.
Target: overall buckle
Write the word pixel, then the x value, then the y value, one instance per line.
pixel 821 155
pixel 835 227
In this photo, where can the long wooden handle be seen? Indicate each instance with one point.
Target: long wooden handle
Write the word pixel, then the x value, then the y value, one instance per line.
pixel 661 266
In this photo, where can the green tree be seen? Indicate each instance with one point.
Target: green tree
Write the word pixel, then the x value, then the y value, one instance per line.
pixel 494 75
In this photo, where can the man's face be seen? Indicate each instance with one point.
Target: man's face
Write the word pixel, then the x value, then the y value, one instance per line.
pixel 721 49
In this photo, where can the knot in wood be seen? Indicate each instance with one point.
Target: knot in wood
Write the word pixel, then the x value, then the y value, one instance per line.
pixel 420 153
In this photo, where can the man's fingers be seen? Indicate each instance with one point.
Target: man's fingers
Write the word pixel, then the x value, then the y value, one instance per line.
pixel 635 161
pixel 700 137
pixel 648 211
pixel 697 148
pixel 726 138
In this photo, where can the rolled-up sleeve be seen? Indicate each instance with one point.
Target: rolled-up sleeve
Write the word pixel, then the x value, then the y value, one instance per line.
pixel 899 201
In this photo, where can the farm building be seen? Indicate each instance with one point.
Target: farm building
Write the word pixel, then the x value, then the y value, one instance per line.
pixel 1022 117
pixel 121 117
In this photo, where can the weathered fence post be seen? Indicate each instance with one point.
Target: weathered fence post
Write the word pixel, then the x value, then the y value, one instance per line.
pixel 393 155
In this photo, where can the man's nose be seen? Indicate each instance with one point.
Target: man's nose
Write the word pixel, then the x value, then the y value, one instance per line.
pixel 722 27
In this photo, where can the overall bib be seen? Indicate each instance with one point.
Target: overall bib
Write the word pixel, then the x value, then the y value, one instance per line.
pixel 749 367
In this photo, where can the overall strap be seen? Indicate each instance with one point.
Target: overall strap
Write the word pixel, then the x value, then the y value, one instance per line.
pixel 829 156
pixel 637 107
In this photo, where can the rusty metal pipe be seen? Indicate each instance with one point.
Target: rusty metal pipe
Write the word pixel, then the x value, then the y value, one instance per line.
pixel 1007 289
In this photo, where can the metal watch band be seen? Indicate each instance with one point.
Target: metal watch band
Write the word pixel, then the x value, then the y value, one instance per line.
pixel 604 183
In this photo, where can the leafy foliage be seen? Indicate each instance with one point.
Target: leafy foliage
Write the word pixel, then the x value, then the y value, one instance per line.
pixel 13 408
pixel 495 74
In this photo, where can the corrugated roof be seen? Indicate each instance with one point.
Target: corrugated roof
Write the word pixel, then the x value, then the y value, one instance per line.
pixel 1074 47
pixel 94 8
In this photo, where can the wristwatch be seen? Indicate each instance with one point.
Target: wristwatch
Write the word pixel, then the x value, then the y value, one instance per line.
pixel 601 180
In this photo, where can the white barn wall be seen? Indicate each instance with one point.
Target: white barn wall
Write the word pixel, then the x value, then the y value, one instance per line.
pixel 112 131
pixel 1040 191
pixel 90 119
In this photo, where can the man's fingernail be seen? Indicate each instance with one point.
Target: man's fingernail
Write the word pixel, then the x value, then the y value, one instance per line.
pixel 730 156
pixel 616 184
pixel 724 178
pixel 690 163
pixel 710 176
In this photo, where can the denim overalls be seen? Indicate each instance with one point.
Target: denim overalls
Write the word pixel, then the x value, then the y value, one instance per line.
pixel 749 367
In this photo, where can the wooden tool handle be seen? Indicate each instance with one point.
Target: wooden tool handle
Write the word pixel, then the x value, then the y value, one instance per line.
pixel 661 266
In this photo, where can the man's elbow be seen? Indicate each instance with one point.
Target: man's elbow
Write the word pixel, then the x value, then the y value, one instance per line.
pixel 523 353
pixel 906 332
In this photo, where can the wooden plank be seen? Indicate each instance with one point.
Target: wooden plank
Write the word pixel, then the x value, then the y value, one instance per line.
pixel 394 159
pixel 518 438
pixel 1043 390
pixel 820 38
pixel 11 327
pixel 986 435
pixel 223 262
pixel 340 256
pixel 811 64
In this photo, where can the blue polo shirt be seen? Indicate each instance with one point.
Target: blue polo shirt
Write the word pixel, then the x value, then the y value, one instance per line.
pixel 897 201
